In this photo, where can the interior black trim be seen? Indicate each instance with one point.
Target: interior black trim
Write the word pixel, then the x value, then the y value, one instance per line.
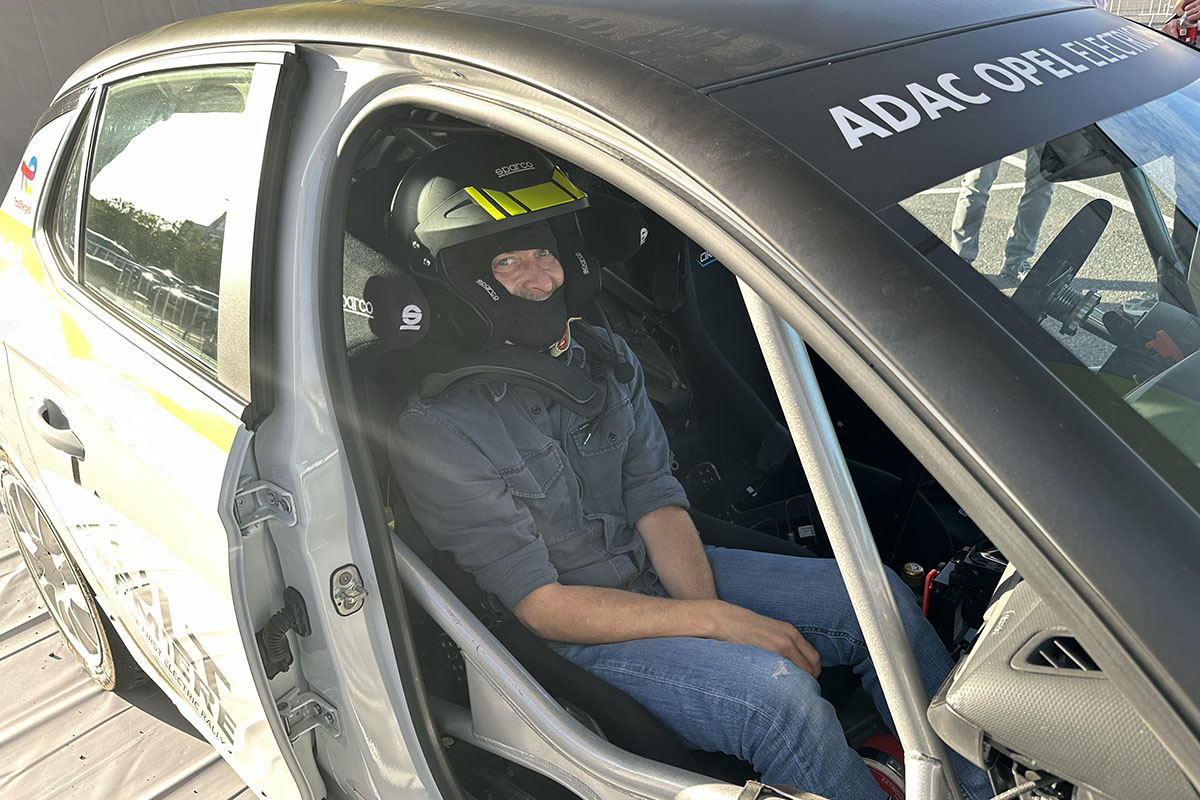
pixel 293 76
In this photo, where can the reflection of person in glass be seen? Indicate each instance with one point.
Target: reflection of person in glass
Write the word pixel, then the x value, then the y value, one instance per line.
pixel 1031 212
pixel 1031 208
pixel 1187 15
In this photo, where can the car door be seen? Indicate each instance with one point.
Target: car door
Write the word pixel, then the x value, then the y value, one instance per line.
pixel 18 261
pixel 130 372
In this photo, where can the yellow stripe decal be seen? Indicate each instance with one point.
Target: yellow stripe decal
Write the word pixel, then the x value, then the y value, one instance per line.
pixel 77 343
pixel 546 195
pixel 484 203
pixel 16 247
pixel 504 201
pixel 211 426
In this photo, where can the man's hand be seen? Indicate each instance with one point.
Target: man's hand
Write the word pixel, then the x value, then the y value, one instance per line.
pixel 1189 10
pixel 742 626
pixel 594 615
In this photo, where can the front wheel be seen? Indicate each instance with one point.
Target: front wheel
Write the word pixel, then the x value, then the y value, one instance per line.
pixel 66 593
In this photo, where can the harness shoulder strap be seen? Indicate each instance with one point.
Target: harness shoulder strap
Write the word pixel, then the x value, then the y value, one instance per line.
pixel 538 371
pixel 595 342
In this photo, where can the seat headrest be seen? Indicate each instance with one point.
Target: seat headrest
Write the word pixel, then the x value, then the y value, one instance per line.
pixel 612 229
pixel 382 306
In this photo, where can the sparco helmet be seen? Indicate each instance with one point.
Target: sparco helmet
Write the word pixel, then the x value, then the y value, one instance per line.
pixel 475 197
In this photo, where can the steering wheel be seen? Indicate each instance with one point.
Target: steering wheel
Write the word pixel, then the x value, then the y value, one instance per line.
pixel 1060 262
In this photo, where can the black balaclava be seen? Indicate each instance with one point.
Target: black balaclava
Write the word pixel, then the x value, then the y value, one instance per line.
pixel 536 324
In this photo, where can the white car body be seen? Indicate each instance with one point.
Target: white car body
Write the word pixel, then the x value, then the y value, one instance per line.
pixel 189 512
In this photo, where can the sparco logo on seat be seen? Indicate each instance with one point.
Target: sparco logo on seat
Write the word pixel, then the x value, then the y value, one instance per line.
pixel 410 318
pixel 356 305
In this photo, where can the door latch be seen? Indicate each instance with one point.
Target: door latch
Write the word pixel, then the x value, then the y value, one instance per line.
pixel 347 590
pixel 259 501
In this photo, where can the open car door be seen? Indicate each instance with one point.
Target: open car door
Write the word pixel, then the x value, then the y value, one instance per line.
pixel 130 364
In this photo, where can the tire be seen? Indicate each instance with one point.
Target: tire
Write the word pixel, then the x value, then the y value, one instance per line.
pixel 66 594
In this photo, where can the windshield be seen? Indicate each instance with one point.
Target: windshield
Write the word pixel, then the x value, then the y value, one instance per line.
pixel 1093 235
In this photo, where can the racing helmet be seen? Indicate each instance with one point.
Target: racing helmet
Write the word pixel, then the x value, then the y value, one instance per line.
pixel 488 191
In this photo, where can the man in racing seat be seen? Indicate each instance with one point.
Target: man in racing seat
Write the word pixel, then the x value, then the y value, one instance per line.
pixel 575 522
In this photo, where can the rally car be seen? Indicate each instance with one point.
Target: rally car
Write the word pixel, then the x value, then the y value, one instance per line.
pixel 981 220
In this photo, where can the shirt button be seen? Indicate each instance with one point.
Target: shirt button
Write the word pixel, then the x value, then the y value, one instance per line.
pixel 612 437
pixel 536 409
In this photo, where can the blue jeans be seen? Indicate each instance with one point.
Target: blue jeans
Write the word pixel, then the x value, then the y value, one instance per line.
pixel 752 703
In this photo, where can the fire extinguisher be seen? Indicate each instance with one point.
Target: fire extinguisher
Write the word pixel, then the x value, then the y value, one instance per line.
pixel 1186 30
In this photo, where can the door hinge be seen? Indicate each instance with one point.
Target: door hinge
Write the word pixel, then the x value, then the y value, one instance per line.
pixel 303 711
pixel 259 501
pixel 347 590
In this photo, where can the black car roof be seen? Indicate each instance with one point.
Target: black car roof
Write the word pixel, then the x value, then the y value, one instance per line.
pixel 702 43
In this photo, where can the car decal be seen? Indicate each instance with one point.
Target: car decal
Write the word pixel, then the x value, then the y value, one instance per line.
pixel 77 343
pixel 16 250
pixel 885 125
pixel 28 174
pixel 192 671
pixel 882 115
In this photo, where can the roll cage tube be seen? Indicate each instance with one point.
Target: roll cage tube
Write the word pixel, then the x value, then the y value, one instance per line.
pixel 1154 230
pixel 928 773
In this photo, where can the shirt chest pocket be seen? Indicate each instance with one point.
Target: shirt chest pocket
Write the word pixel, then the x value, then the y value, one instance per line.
pixel 606 433
pixel 534 476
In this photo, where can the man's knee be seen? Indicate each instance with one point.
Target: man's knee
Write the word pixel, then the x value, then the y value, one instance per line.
pixel 783 704
pixel 777 686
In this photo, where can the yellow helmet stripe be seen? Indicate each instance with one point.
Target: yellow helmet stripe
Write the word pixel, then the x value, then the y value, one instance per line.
pixel 501 205
pixel 484 203
pixel 510 206
pixel 565 183
pixel 544 195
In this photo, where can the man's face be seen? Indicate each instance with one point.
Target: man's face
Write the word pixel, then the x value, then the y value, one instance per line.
pixel 528 274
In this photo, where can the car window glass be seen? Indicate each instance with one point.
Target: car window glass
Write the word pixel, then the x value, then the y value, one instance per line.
pixel 166 162
pixel 67 208
pixel 1093 236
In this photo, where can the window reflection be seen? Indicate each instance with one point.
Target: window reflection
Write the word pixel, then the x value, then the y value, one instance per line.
pixel 1093 234
pixel 167 159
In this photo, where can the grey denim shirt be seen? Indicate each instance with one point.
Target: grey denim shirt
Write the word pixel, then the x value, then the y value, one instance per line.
pixel 524 492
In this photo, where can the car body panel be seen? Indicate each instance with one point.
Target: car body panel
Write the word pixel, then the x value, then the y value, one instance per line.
pixel 795 224
pixel 156 446
pixel 666 37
